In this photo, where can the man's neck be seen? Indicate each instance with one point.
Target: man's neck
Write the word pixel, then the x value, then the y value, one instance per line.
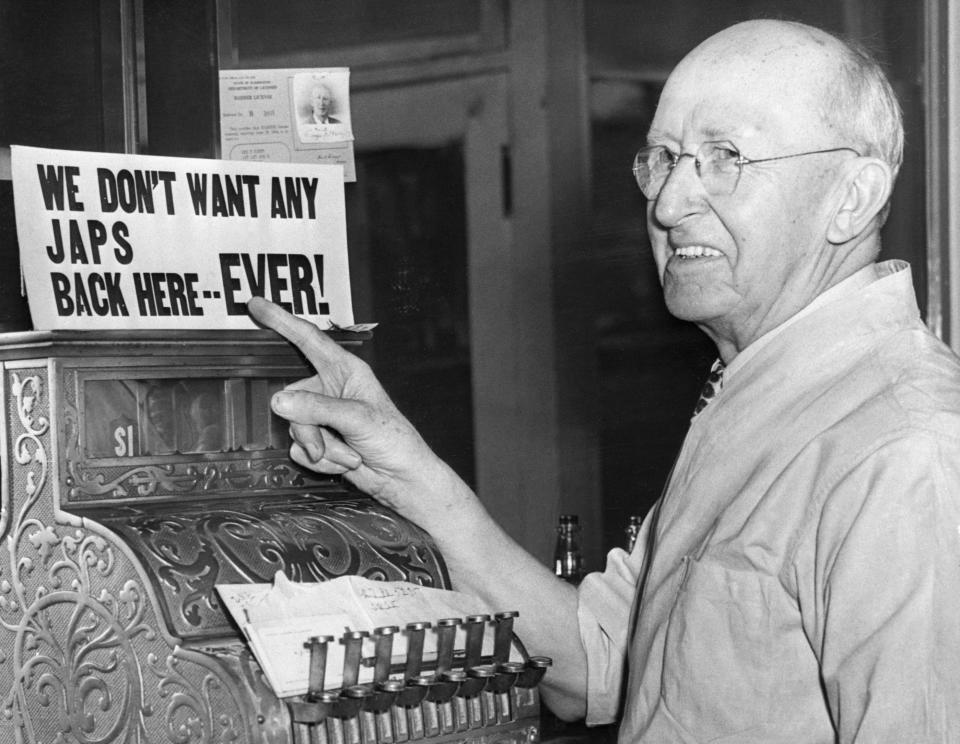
pixel 856 281
pixel 835 268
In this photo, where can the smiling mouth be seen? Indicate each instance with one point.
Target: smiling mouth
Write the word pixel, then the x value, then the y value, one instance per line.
pixel 696 251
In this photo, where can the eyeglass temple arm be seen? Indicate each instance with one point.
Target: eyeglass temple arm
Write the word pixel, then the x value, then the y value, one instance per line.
pixel 745 161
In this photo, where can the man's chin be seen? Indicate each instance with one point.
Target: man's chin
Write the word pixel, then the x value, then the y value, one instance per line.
pixel 694 309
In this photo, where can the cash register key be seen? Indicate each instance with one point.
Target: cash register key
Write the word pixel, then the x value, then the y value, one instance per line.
pixel 352 655
pixel 453 709
pixel 415 690
pixel 382 695
pixel 423 718
pixel 311 719
pixel 390 717
pixel 534 670
pixel 446 635
pixel 449 682
pixel 383 651
pixel 356 692
pixel 359 728
pixel 475 625
pixel 503 635
pixel 416 633
pixel 507 674
pixel 318 664
pixel 333 728
pixel 481 706
pixel 343 727
pixel 317 722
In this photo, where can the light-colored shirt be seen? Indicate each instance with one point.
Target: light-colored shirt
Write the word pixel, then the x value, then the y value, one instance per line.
pixel 804 584
pixel 847 287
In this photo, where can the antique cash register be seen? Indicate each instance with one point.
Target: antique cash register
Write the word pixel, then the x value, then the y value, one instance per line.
pixel 142 468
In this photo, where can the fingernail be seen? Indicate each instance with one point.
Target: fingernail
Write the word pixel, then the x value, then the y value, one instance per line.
pixel 281 402
pixel 351 460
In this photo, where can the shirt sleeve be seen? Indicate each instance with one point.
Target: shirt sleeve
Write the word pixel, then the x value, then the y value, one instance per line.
pixel 883 616
pixel 604 612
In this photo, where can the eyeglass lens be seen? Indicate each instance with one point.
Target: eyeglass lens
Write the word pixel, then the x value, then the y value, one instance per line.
pixel 718 165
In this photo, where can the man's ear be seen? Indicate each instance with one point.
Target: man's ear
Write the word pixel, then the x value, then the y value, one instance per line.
pixel 865 190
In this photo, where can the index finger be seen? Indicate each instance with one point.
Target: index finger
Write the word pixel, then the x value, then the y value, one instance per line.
pixel 314 343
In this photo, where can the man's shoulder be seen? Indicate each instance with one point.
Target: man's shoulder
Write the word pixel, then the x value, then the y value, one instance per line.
pixel 914 356
pixel 904 388
pixel 920 374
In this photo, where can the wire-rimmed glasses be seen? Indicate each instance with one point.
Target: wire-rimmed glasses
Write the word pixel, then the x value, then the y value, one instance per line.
pixel 719 166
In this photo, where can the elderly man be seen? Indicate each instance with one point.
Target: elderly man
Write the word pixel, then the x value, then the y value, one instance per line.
pixel 321 102
pixel 799 581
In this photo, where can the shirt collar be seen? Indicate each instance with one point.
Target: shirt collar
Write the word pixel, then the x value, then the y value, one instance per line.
pixel 851 285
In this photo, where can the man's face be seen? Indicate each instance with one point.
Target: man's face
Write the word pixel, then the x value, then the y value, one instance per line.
pixel 321 102
pixel 740 264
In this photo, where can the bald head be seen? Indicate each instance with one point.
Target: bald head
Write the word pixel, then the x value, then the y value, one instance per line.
pixel 766 37
pixel 824 84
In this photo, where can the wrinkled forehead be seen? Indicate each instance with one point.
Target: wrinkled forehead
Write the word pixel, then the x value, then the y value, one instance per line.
pixel 747 91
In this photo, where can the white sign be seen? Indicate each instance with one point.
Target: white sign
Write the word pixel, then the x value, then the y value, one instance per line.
pixel 292 116
pixel 112 241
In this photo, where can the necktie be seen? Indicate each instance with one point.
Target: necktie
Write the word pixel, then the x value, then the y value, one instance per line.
pixel 711 387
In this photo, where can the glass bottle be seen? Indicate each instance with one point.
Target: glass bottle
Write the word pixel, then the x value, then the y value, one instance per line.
pixel 633 529
pixel 567 560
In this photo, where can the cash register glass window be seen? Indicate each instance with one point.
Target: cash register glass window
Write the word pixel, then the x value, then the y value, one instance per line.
pixel 169 416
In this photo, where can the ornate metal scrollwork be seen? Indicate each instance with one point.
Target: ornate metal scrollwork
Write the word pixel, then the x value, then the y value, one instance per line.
pixel 181 478
pixel 81 659
pixel 247 540
pixel 177 475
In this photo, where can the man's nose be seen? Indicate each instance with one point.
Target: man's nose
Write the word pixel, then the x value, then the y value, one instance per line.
pixel 682 193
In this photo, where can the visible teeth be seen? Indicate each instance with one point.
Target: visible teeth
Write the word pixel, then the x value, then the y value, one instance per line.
pixel 696 251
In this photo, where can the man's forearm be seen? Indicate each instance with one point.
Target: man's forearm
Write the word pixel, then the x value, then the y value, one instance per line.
pixel 485 561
